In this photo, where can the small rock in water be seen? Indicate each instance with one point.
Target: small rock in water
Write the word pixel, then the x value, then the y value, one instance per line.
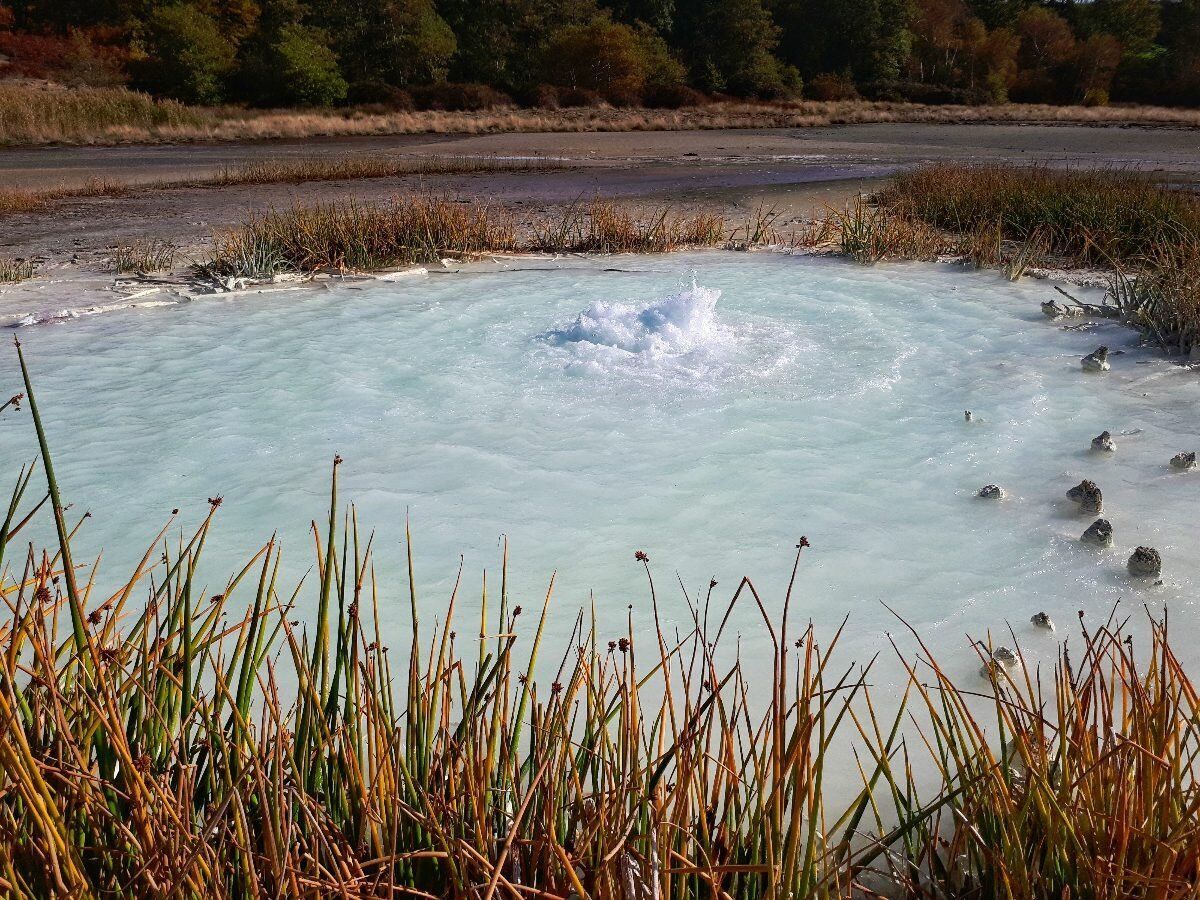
pixel 1087 495
pixel 1099 533
pixel 1184 461
pixel 1146 562
pixel 1000 658
pixel 1096 361
pixel 1042 620
pixel 967 415
pixel 1103 442
pixel 991 492
pixel 1005 657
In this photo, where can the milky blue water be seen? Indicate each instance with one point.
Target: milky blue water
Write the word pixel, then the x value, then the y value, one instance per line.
pixel 589 409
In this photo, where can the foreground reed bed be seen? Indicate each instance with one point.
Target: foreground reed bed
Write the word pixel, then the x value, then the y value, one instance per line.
pixel 262 740
pixel 1144 233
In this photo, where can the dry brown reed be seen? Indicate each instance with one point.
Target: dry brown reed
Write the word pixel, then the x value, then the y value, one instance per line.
pixel 1145 233
pixel 13 270
pixel 41 114
pixel 351 236
pixel 602 226
pixel 361 237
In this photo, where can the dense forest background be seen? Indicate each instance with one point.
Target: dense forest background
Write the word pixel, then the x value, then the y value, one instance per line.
pixel 469 54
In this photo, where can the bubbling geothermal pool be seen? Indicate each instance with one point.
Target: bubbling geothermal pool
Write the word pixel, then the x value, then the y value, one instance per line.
pixel 707 409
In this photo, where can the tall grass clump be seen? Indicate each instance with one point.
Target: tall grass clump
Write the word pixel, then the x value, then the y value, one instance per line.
pixel 161 739
pixel 351 236
pixel 14 270
pixel 1083 787
pixel 1146 234
pixel 602 226
pixel 35 115
pixel 869 234
pixel 150 255
pixel 1088 217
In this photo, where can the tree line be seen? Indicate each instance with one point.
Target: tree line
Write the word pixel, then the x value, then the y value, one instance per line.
pixel 466 54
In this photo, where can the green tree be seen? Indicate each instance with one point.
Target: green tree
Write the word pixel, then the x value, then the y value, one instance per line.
pixel 295 67
pixel 399 42
pixel 187 56
pixel 868 39
pixel 236 18
pixel 1135 23
pixel 999 13
pixel 614 59
pixel 658 14
pixel 502 42
pixel 729 46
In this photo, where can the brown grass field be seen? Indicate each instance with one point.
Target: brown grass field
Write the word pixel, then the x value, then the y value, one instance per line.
pixel 34 114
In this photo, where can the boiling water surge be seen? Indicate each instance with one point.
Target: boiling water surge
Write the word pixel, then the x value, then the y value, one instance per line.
pixel 610 333
pixel 587 413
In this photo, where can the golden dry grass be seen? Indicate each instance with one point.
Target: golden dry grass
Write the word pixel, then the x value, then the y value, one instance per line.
pixel 346 236
pixel 14 270
pixel 42 115
pixel 1144 233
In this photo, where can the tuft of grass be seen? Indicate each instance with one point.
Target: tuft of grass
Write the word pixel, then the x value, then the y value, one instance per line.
pixel 152 255
pixel 14 270
pixel 602 226
pixel 19 200
pixel 352 236
pixel 149 747
pixel 759 230
pixel 1145 233
pixel 1084 787
pixel 1087 217
pixel 869 234
pixel 352 167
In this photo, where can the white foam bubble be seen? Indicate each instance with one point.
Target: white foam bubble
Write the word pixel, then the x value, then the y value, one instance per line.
pixel 669 329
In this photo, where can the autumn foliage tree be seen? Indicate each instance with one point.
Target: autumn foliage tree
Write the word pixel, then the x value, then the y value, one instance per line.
pixel 469 54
